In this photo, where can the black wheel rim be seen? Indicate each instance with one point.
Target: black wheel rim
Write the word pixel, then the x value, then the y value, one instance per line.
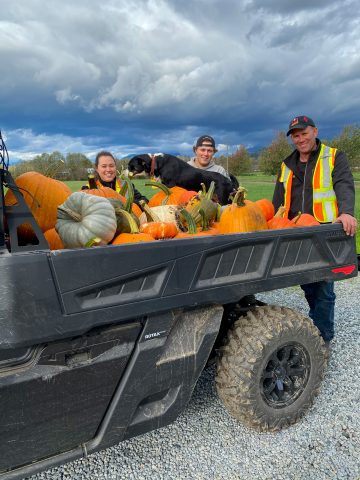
pixel 285 375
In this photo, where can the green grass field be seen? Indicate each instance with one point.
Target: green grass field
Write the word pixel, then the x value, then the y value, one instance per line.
pixel 258 186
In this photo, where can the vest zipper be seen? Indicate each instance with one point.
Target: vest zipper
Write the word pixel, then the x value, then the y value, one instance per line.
pixel 303 190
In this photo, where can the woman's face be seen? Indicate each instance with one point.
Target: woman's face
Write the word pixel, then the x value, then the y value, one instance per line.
pixel 106 168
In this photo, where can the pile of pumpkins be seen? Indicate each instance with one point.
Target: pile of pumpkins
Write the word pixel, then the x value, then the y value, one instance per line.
pixel 102 216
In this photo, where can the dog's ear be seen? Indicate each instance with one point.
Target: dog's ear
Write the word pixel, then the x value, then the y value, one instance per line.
pixel 138 159
pixel 143 159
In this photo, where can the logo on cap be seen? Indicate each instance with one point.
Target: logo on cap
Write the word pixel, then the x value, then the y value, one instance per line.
pixel 300 122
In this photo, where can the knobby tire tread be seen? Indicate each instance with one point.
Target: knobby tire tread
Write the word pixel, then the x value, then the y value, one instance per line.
pixel 249 343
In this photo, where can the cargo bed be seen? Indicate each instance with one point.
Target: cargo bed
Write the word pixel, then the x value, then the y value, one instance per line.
pixel 101 344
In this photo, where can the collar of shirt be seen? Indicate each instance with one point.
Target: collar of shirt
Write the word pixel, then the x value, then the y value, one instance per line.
pixel 193 163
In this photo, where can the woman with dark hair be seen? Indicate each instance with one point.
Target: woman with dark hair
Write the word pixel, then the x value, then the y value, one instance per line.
pixel 105 175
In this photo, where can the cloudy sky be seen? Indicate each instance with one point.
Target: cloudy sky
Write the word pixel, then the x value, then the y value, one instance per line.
pixel 151 76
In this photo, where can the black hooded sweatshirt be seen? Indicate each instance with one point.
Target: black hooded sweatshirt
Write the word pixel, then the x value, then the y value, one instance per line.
pixel 302 191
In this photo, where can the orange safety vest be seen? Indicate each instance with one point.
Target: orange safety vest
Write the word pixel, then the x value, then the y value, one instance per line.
pixel 117 185
pixel 325 208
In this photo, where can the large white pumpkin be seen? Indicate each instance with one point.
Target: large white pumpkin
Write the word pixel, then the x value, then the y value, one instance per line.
pixel 85 220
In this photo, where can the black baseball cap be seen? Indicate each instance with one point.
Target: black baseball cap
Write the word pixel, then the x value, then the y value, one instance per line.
pixel 300 122
pixel 205 140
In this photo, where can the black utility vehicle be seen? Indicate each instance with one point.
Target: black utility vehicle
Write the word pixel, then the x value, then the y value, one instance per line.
pixel 101 344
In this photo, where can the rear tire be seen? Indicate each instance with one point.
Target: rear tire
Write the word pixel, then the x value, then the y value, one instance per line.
pixel 270 368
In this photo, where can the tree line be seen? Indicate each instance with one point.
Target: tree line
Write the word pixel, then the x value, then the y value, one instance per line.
pixel 75 166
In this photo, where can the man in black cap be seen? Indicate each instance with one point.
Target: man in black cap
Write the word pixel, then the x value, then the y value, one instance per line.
pixel 317 179
pixel 204 150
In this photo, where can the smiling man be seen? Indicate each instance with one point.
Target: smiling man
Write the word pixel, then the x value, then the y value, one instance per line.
pixel 317 179
pixel 204 150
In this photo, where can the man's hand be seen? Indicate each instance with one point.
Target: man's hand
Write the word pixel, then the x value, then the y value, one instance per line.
pixel 349 223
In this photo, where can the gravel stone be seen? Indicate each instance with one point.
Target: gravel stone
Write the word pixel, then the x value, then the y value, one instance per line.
pixel 205 442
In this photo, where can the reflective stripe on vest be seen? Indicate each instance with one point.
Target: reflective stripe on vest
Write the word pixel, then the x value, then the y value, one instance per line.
pixel 325 207
pixel 286 177
pixel 118 185
pixel 324 198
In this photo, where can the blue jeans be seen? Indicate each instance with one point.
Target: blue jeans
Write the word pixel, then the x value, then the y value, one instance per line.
pixel 321 299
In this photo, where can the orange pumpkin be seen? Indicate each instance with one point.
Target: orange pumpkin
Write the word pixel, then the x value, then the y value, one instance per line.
pixel 166 196
pixel 198 233
pixel 187 196
pixel 132 238
pixel 279 220
pixel 53 239
pixel 214 228
pixel 187 234
pixel 42 195
pixel 159 230
pixel 209 231
pixel 304 220
pixel 242 215
pixel 267 208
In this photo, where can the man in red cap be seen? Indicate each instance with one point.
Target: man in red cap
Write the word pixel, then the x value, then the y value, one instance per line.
pixel 317 179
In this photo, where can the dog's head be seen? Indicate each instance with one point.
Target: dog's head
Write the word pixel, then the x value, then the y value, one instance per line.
pixel 139 164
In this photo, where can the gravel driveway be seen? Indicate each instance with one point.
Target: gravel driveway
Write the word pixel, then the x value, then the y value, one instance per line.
pixel 206 443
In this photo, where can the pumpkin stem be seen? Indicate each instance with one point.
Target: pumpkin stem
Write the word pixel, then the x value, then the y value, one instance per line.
pixel 92 182
pixel 191 225
pixel 280 212
pixel 124 219
pixel 127 187
pixel 203 200
pixel 239 198
pixel 65 213
pixel 123 189
pixel 204 221
pixel 218 213
pixel 119 207
pixel 94 242
pixel 297 218
pixel 150 214
pixel 126 222
pixel 162 187
pixel 210 193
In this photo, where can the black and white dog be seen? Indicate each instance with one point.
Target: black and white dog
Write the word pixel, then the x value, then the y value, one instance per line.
pixel 174 171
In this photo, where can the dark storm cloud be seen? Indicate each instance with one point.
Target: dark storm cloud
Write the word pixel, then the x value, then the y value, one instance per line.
pixel 153 75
